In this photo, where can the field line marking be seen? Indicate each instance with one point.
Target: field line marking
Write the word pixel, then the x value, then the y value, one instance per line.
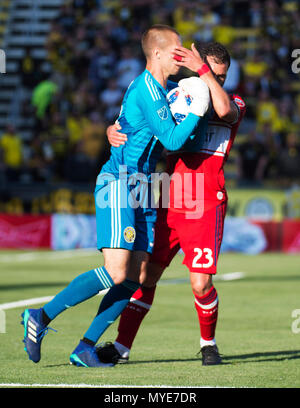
pixel 48 255
pixel 45 299
pixel 25 302
pixel 101 386
pixel 222 277
pixel 230 276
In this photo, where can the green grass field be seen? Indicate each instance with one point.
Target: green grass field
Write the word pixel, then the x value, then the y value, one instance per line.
pixel 254 332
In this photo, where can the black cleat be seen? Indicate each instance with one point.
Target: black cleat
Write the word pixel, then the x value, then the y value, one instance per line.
pixel 210 355
pixel 107 353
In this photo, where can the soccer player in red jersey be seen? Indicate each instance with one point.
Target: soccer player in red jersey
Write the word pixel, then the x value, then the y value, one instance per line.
pixel 200 234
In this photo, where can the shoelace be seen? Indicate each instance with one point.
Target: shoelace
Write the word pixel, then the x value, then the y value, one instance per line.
pixel 212 349
pixel 43 333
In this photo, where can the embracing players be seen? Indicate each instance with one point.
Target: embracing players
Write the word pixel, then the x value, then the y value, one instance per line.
pixel 178 226
pixel 124 231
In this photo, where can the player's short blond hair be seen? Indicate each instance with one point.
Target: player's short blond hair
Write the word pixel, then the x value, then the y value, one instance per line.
pixel 156 36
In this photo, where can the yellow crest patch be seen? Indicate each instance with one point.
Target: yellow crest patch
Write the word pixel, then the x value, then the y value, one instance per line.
pixel 129 234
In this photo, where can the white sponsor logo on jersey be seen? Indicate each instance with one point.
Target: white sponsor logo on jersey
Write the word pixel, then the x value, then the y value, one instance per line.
pixel 216 140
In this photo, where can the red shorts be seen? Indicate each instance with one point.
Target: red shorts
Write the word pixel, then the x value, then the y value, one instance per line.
pixel 200 239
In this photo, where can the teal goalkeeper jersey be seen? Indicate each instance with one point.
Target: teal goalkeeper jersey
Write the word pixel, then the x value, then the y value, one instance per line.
pixel 147 120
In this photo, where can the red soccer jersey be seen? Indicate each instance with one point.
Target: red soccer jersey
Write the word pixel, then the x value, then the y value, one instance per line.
pixel 200 175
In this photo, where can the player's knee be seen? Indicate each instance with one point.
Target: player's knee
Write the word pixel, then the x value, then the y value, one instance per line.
pixel 201 284
pixel 118 277
pixel 116 262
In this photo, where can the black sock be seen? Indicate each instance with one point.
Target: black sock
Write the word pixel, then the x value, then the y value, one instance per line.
pixel 45 318
pixel 88 341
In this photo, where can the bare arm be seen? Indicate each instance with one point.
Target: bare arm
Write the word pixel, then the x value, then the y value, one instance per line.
pixel 223 107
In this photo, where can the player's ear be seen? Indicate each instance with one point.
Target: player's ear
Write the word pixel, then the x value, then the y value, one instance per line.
pixel 156 53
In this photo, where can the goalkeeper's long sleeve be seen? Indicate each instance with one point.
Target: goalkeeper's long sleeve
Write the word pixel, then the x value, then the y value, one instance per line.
pixel 160 120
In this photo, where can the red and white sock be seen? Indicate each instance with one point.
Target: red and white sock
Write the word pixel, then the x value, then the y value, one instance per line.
pixel 207 309
pixel 132 317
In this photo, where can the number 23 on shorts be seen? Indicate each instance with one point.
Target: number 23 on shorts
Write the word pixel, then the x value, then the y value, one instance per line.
pixel 203 258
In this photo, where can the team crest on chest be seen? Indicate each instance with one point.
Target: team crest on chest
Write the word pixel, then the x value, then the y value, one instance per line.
pixel 163 113
pixel 129 234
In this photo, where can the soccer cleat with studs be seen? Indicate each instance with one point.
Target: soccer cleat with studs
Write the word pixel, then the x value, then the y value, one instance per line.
pixel 108 353
pixel 210 355
pixel 34 332
pixel 85 355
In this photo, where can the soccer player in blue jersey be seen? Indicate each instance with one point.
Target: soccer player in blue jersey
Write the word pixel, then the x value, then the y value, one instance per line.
pixel 124 230
pixel 200 238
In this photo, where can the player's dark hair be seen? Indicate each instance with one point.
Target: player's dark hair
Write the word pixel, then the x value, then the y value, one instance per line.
pixel 215 50
pixel 148 35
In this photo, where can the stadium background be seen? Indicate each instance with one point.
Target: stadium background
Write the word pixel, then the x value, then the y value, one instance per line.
pixel 68 64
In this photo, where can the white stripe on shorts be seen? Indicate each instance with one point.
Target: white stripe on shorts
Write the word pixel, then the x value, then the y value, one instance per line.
pixel 119 213
pixel 111 214
pixel 115 204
